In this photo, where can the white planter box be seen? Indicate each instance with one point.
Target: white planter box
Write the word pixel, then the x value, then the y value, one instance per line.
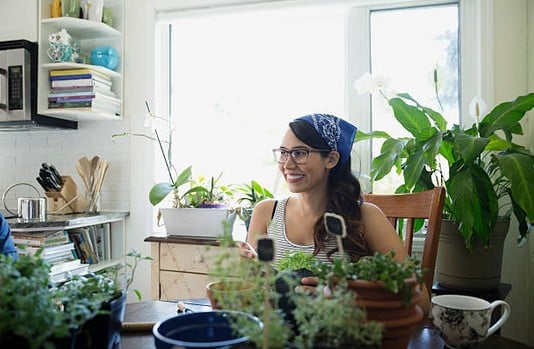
pixel 197 222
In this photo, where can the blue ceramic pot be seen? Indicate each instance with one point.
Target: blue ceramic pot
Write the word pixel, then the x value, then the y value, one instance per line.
pixel 210 329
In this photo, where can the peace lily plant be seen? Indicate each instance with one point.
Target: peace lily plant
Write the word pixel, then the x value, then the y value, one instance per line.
pixel 487 170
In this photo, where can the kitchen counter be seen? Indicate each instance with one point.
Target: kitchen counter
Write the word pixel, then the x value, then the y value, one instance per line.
pixel 66 221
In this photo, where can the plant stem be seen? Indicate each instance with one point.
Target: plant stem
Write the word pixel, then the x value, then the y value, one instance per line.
pixel 164 157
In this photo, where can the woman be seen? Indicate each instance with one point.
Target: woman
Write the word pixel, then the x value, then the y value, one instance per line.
pixel 314 159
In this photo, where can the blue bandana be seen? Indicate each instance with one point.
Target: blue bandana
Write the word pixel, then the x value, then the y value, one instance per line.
pixel 337 133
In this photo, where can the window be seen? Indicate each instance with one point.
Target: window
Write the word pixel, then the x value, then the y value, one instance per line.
pixel 237 76
pixel 408 55
pixel 238 79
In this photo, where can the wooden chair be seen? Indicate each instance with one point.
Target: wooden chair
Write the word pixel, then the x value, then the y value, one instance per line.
pixel 427 204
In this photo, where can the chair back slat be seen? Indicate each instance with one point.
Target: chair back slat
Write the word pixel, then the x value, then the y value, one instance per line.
pixel 426 205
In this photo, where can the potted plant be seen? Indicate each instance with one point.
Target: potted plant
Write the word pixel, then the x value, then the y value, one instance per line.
pixel 192 198
pixel 249 195
pixel 318 321
pixel 486 175
pixel 37 313
pixel 83 312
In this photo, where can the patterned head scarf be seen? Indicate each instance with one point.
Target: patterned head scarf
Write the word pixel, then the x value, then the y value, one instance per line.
pixel 337 133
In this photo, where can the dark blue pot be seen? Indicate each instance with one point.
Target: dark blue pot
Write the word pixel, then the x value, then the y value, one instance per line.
pixel 211 329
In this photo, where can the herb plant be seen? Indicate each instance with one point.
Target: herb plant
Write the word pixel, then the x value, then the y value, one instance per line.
pixel 36 311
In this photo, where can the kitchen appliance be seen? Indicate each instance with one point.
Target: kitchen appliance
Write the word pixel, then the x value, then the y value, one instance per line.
pixel 28 208
pixel 18 89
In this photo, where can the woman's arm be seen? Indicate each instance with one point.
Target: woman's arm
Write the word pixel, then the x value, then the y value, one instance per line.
pixel 259 222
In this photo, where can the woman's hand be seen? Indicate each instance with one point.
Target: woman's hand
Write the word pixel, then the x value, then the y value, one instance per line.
pixel 308 284
pixel 247 250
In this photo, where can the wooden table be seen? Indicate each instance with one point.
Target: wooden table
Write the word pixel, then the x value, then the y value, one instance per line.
pixel 425 338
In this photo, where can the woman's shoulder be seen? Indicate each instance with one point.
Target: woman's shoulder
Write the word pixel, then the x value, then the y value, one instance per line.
pixel 370 210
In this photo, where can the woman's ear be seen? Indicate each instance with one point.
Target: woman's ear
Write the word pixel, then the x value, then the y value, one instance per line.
pixel 332 159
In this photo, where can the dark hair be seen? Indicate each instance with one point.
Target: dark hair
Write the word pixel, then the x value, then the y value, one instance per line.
pixel 344 197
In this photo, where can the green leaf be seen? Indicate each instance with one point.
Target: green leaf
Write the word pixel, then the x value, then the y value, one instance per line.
pixel 362 136
pixel 519 169
pixel 183 177
pixel 412 168
pixel 159 192
pixel 390 151
pixel 506 115
pixel 469 147
pixel 473 203
pixel 410 117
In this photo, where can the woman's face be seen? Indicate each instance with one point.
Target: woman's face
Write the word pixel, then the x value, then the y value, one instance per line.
pixel 309 174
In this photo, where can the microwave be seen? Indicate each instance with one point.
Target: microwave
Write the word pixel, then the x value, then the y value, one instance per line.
pixel 18 89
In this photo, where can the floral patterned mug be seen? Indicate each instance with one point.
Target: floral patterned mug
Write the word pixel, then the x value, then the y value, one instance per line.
pixel 464 321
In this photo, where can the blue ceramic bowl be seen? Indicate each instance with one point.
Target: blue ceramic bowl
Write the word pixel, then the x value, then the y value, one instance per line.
pixel 210 329
pixel 105 56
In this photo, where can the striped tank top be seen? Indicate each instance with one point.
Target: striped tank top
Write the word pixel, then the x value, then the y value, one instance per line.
pixel 282 245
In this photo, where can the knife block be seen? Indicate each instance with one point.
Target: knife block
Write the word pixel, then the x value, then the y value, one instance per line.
pixel 67 200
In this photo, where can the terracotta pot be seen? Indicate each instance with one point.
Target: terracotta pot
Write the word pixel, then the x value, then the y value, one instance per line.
pixel 230 294
pixel 400 320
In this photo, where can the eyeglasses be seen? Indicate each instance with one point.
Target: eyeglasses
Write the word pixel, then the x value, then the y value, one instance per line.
pixel 298 155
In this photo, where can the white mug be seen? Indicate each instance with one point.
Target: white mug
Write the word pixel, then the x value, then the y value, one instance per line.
pixel 464 321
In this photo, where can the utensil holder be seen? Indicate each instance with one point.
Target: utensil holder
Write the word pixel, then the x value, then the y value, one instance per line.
pixel 67 200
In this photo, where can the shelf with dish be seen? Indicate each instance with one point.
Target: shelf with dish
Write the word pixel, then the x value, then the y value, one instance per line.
pixel 89 35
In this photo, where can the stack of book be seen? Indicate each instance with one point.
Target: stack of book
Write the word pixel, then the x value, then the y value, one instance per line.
pixel 82 88
pixel 86 244
pixel 56 248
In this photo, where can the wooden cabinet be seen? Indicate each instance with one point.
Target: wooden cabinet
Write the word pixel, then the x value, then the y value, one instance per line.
pixel 88 34
pixel 181 266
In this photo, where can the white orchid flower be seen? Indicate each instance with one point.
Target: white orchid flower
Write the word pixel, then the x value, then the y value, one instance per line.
pixel 477 107
pixel 371 83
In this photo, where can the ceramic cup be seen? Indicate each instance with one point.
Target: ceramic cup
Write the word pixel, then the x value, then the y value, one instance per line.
pixel 464 321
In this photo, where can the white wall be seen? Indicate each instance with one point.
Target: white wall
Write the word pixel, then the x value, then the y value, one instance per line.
pixel 513 58
pixel 130 175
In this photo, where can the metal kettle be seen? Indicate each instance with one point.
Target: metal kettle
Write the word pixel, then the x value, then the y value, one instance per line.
pixel 28 208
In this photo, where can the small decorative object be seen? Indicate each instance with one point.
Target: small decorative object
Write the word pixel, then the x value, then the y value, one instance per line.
pixel 55 8
pixel 105 56
pixel 62 48
pixel 71 8
pixel 94 10
pixel 107 16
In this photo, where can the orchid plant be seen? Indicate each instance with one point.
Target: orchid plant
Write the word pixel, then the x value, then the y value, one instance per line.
pixel 488 173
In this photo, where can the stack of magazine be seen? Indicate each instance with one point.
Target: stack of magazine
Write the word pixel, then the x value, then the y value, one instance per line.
pixel 82 88
pixel 56 248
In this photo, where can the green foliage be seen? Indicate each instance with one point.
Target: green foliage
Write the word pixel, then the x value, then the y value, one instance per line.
pixel 252 193
pixel 123 273
pixel 34 308
pixel 334 318
pixel 200 190
pixel 334 321
pixel 379 267
pixel 296 260
pixel 484 164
